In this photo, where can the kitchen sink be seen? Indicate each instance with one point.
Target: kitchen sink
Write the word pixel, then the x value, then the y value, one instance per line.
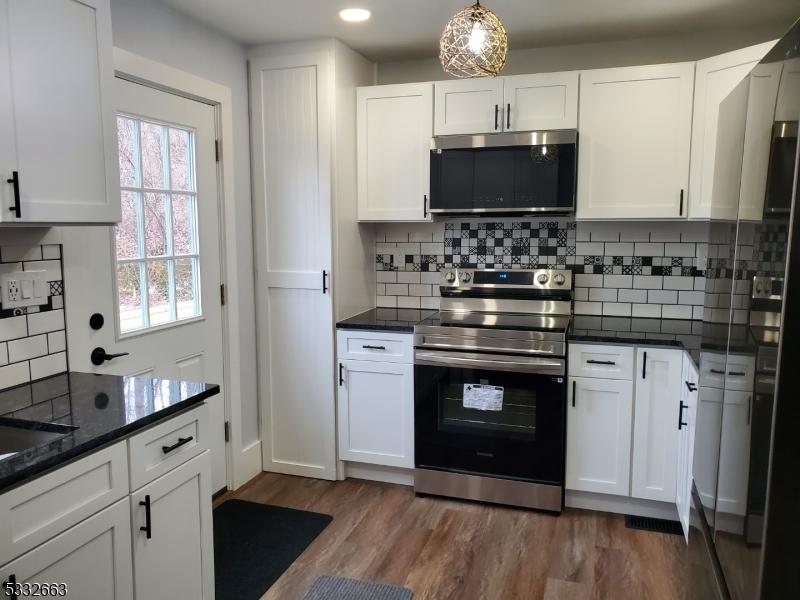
pixel 17 435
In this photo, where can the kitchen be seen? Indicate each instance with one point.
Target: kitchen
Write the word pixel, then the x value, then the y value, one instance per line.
pixel 354 303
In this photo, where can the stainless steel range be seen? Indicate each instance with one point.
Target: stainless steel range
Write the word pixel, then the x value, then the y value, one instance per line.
pixel 490 387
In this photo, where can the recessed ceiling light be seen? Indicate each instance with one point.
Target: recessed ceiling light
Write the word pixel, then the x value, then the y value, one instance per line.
pixel 354 15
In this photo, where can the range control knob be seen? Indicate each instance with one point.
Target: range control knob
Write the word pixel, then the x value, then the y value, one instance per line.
pixel 759 289
pixel 466 277
pixel 559 279
pixel 450 277
pixel 543 278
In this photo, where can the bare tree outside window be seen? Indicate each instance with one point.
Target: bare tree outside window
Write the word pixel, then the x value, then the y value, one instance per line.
pixel 156 242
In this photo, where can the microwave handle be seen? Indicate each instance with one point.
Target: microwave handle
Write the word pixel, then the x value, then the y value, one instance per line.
pixel 496 115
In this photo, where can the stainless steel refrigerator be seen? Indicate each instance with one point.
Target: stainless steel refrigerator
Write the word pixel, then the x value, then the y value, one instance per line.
pixel 744 539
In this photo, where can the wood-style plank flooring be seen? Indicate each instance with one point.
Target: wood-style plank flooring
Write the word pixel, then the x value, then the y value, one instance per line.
pixel 448 549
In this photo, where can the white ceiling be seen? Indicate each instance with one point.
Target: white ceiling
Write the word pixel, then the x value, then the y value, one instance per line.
pixel 404 29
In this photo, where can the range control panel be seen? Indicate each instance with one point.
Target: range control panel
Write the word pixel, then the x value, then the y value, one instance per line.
pixel 531 279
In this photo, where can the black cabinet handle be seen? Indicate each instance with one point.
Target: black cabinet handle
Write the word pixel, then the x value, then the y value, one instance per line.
pixel 324 281
pixel 601 362
pixel 692 387
pixel 508 116
pixel 574 393
pixel 644 366
pixel 681 424
pixel 148 525
pixel 14 181
pixel 737 373
pixel 749 408
pixel 181 442
pixel 341 374
pixel 496 114
pixel 425 206
pixel 368 347
pixel 99 356
pixel 10 588
pixel 716 371
pixel 681 208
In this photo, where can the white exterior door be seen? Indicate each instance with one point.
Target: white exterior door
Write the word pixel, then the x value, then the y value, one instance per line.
pixel 177 559
pixel 291 136
pixel 395 126
pixel 468 106
pixel 376 413
pixel 543 101
pixel 57 111
pixel 715 78
pixel 599 414
pixel 92 560
pixel 161 296
pixel 633 155
pixel 655 427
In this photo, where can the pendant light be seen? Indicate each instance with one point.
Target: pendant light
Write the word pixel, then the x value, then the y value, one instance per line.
pixel 474 43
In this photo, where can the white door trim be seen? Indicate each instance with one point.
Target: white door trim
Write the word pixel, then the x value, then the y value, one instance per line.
pixel 243 463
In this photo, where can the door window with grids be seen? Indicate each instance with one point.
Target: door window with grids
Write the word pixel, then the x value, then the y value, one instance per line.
pixel 157 259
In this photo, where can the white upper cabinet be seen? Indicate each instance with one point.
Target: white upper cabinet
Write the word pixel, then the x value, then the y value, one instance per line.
pixel 788 107
pixel 762 96
pixel 515 103
pixel 655 426
pixel 715 79
pixel 465 106
pixel 633 154
pixel 57 116
pixel 543 101
pixel 395 124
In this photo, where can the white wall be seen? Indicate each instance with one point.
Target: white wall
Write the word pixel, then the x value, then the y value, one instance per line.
pixel 152 30
pixel 599 55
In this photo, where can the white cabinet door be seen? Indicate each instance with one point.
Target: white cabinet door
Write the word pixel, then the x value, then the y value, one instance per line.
pixel 543 101
pixel 57 67
pixel 788 106
pixel 734 453
pixel 762 97
pixel 633 155
pixel 686 431
pixel 599 413
pixel 715 79
pixel 173 550
pixel 706 452
pixel 92 559
pixel 468 106
pixel 376 413
pixel 395 125
pixel 655 427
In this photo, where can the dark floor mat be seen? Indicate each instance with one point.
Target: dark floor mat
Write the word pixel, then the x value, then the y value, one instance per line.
pixel 255 543
pixel 651 524
pixel 328 587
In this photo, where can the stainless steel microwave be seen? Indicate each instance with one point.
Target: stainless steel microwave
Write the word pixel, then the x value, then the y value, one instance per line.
pixel 530 172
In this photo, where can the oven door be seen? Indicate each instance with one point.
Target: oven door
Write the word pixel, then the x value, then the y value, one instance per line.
pixel 518 434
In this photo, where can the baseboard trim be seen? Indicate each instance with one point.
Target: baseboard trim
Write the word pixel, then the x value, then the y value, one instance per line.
pixel 248 464
pixel 396 475
pixel 621 505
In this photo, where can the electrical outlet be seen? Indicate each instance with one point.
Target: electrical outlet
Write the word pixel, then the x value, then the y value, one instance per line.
pixel 13 293
pixel 23 288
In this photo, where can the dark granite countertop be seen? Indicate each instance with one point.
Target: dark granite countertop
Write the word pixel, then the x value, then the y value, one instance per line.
pixel 98 409
pixel 386 319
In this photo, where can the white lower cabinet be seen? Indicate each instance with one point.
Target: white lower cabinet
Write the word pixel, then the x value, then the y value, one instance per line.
pixel 706 459
pixel 173 534
pixel 734 453
pixel 92 559
pixel 655 427
pixel 599 413
pixel 686 432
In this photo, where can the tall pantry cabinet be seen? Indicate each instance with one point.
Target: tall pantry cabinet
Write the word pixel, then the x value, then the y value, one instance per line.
pixel 314 262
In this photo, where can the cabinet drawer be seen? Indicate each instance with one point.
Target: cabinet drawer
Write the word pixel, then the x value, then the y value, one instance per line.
pixel 163 447
pixel 37 511
pixel 373 345
pixel 606 362
pixel 740 371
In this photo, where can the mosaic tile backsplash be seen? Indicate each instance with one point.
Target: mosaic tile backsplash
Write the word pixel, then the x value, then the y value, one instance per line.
pixel 33 342
pixel 621 269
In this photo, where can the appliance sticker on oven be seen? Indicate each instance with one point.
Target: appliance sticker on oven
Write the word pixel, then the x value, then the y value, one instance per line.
pixel 483 397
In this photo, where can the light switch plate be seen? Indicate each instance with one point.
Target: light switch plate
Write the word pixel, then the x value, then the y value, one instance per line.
pixel 23 288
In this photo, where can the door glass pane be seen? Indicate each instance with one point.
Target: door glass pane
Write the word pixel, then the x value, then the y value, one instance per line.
pixel 127 232
pixel 183 224
pixel 153 150
pixel 186 288
pixel 158 292
pixel 155 224
pixel 181 175
pixel 129 291
pixel 127 136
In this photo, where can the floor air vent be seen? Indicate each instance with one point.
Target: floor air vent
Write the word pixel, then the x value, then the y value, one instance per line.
pixel 650 524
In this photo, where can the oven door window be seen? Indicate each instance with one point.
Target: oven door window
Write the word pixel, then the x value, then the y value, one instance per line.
pixel 517 432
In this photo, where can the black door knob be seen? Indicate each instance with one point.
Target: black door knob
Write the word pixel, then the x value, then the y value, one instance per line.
pixel 96 321
pixel 99 356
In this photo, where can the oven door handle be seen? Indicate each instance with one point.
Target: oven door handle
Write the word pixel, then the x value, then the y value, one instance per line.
pixel 494 362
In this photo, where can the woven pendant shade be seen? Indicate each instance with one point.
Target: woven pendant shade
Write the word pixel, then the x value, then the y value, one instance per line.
pixel 474 43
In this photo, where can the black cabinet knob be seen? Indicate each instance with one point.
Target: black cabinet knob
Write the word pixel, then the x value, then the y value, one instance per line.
pixel 96 321
pixel 99 356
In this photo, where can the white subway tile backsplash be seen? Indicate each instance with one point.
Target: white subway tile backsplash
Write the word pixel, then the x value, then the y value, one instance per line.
pixel 648 249
pixel 51 252
pixel 13 327
pixel 602 295
pixel 408 302
pixel 430 303
pixel 27 348
pixel 631 295
pixel 584 280
pixel 48 365
pixel 387 276
pixel 589 249
pixel 581 294
pixel 397 289
pixel 56 342
pixel 44 322
pixel 681 249
pixel 386 301
pixel 420 290
pixel 678 282
pixel 617 281
pixel 14 374
pixel 676 312
pixel 619 249
pixel 3 354
pixel 52 268
pixel 588 308
pixel 662 297
pixel 650 311
pixel 431 278
pixel 616 309
pixel 19 253
pixel 408 276
pixel 648 282
pixel 691 298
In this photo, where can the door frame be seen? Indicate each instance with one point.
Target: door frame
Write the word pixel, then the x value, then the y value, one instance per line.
pixel 242 463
